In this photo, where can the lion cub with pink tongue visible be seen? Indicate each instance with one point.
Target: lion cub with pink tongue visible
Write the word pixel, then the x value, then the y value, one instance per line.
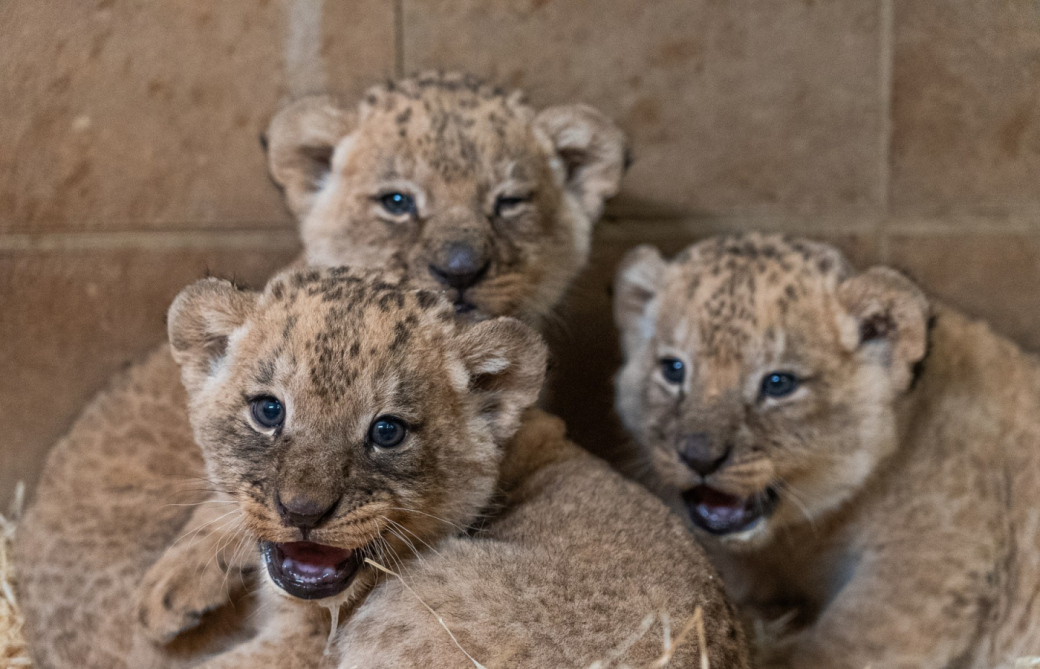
pixel 849 451
pixel 355 428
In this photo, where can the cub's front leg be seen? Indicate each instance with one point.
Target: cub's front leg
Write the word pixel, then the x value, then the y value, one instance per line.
pixel 201 572
pixel 919 607
pixel 293 635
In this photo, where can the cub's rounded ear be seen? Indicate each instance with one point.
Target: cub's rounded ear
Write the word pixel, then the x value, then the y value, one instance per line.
pixel 637 281
pixel 505 367
pixel 300 142
pixel 199 322
pixel 591 147
pixel 885 314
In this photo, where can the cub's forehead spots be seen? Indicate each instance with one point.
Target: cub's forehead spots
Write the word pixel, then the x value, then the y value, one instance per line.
pixel 455 125
pixel 343 326
pixel 742 291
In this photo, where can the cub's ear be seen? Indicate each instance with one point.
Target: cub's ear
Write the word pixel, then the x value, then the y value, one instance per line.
pixel 300 142
pixel 592 149
pixel 505 363
pixel 199 322
pixel 638 279
pixel 886 315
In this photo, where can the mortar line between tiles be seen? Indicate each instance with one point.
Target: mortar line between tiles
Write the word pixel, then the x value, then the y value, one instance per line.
pixel 886 60
pixel 153 240
pixel 883 246
pixel 399 38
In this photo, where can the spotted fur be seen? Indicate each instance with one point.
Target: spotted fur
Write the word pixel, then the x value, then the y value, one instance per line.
pixel 905 462
pixel 454 144
pixel 550 516
pixel 361 345
pixel 130 457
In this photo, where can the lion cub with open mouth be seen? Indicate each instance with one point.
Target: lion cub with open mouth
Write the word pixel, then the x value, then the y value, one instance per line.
pixel 353 424
pixel 460 186
pixel 847 450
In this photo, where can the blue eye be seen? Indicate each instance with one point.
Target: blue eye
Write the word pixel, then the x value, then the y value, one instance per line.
pixel 673 370
pixel 779 384
pixel 387 432
pixel 268 412
pixel 398 204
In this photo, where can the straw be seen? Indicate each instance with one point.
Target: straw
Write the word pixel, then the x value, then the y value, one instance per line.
pixel 14 652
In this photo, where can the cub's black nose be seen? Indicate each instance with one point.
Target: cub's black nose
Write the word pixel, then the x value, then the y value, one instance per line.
pixel 302 511
pixel 700 455
pixel 460 265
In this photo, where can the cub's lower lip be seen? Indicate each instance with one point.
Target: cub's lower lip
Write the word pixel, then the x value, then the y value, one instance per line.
pixel 719 513
pixel 308 570
pixel 464 307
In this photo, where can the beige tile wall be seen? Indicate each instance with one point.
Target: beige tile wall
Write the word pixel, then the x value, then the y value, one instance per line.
pixel 906 132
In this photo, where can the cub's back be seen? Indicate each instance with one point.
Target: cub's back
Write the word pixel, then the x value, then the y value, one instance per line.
pixel 564 577
pixel 115 492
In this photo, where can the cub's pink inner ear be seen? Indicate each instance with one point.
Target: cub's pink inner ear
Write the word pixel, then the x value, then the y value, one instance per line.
pixel 301 141
pixel 592 149
pixel 505 361
pixel 199 322
pixel 638 279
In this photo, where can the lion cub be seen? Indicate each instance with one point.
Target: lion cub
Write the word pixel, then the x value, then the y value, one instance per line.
pixel 347 418
pixel 454 183
pixel 852 454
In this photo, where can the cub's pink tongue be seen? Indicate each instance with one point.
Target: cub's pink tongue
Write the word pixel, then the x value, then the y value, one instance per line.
pixel 720 513
pixel 309 555
pixel 308 570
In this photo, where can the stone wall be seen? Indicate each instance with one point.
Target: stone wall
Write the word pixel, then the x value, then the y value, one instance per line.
pixel 906 132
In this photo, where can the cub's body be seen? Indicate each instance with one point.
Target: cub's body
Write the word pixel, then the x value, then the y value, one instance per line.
pixel 530 551
pixel 565 575
pixel 440 178
pixel 930 565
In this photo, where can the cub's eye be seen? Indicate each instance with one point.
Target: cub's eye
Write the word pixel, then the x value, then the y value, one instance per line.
pixel 504 204
pixel 673 370
pixel 398 204
pixel 387 432
pixel 268 412
pixel 779 384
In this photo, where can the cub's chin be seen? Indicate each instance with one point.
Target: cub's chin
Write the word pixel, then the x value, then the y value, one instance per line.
pixel 308 570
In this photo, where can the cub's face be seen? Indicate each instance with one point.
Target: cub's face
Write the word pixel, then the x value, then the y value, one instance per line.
pixel 760 375
pixel 349 416
pixel 451 182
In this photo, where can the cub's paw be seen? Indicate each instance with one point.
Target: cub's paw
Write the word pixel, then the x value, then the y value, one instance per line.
pixel 180 588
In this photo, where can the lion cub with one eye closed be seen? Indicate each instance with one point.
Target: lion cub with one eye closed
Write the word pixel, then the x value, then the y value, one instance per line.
pixel 847 450
pixel 452 182
pixel 350 417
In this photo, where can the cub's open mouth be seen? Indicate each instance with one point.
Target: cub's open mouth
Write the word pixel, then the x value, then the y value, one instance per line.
pixel 308 570
pixel 719 513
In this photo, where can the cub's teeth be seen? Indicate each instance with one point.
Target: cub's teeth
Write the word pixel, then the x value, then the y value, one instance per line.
pixel 328 572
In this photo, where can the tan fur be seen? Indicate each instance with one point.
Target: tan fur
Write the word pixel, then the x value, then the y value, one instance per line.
pixel 906 462
pixel 563 577
pixel 567 558
pixel 118 488
pixel 454 145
